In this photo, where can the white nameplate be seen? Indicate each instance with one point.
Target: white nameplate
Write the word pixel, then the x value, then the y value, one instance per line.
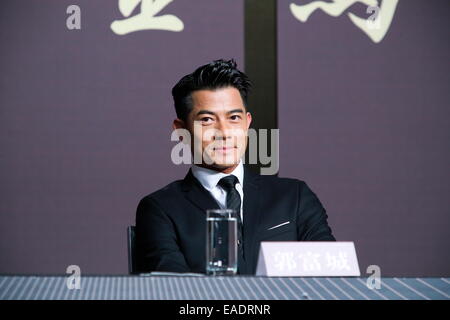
pixel 307 259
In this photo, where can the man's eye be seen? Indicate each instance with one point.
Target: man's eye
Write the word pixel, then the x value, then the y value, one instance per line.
pixel 206 119
pixel 235 117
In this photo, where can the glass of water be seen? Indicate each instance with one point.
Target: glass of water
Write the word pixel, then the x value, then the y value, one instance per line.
pixel 221 242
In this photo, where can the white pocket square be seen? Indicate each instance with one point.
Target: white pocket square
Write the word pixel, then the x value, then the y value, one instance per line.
pixel 279 225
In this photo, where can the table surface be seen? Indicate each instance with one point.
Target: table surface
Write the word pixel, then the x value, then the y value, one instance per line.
pixel 220 288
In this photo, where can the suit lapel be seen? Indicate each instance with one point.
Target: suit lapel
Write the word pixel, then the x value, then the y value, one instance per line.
pixel 197 194
pixel 251 213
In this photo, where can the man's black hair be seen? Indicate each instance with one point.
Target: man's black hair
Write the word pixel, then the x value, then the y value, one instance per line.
pixel 215 75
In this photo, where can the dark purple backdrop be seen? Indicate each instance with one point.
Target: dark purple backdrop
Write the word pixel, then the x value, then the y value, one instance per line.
pixel 85 125
pixel 368 125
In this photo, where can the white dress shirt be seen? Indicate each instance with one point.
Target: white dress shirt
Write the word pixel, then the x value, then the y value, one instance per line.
pixel 209 179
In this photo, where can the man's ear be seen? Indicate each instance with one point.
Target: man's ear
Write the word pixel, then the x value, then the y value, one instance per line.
pixel 249 119
pixel 178 124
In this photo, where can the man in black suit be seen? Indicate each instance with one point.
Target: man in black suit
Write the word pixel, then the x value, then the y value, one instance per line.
pixel 171 222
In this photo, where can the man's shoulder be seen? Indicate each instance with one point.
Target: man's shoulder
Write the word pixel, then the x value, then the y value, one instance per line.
pixel 284 186
pixel 276 181
pixel 166 193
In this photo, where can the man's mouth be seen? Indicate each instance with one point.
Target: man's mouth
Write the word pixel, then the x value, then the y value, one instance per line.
pixel 223 148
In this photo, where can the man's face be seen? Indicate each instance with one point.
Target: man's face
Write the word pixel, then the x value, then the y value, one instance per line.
pixel 219 124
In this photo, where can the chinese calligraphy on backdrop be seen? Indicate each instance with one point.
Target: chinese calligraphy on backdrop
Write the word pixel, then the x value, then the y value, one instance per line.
pixel 375 27
pixel 147 19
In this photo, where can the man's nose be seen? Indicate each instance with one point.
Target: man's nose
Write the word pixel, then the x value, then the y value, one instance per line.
pixel 222 131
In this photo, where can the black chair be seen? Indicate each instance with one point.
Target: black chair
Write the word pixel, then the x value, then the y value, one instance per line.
pixel 131 240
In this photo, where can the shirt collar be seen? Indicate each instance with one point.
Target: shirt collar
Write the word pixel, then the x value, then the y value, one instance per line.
pixel 209 178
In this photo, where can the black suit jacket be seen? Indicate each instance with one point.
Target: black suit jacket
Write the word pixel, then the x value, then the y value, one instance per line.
pixel 171 222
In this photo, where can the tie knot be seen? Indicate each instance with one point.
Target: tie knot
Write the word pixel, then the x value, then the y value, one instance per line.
pixel 228 182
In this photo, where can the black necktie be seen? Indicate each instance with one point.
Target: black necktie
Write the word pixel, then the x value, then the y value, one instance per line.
pixel 228 183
